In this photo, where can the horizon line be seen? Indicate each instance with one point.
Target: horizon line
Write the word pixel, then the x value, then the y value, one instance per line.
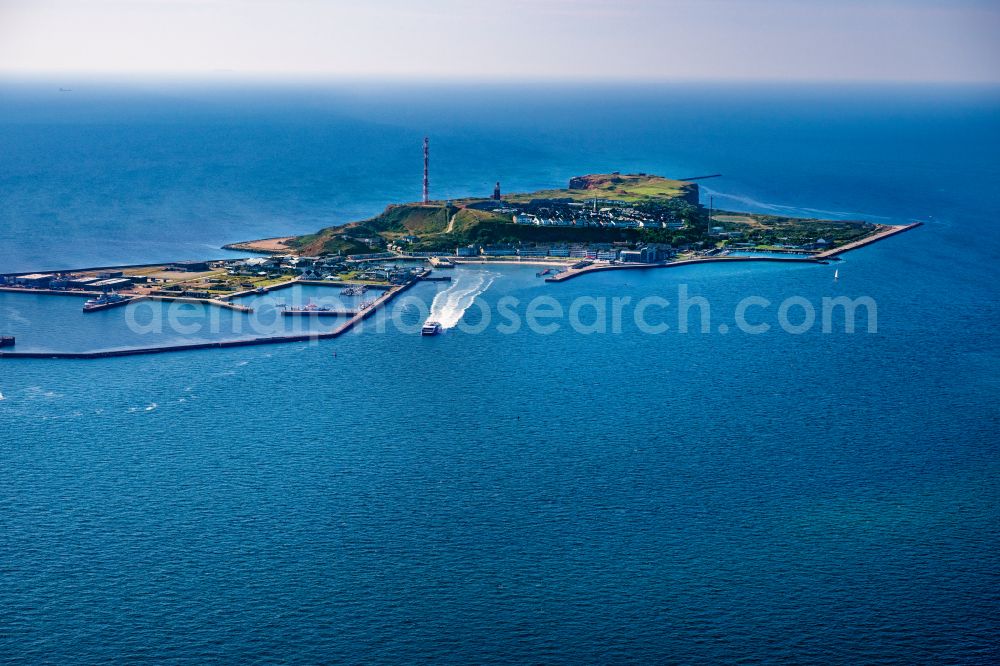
pixel 249 76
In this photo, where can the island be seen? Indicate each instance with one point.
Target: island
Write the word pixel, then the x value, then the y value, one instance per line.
pixel 612 220
pixel 599 222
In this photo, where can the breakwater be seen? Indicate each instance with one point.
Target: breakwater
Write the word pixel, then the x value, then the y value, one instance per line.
pixel 874 238
pixel 594 268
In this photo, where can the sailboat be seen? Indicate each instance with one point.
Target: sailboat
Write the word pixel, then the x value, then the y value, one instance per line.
pixel 836 274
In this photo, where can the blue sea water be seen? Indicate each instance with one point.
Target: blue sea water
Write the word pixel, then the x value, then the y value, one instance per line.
pixel 490 497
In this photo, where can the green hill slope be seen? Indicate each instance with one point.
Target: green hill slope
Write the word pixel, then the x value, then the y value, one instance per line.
pixel 446 224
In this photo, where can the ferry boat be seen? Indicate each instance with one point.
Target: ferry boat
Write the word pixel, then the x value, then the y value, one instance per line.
pixel 105 301
pixel 311 309
pixel 430 328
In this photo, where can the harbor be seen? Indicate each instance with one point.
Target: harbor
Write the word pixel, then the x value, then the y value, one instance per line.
pixel 818 258
pixel 354 318
pixel 224 284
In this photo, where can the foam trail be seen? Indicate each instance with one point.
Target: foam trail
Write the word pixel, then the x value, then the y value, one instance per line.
pixel 449 305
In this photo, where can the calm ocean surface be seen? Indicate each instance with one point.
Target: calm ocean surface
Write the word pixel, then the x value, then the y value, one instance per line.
pixel 491 497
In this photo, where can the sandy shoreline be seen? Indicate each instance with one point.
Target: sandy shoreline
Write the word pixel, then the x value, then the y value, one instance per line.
pixel 276 245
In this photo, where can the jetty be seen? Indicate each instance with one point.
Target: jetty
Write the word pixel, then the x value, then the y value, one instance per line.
pixel 874 238
pixel 440 262
pixel 216 302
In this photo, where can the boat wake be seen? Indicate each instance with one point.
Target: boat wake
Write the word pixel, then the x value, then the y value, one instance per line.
pixel 449 305
pixel 793 211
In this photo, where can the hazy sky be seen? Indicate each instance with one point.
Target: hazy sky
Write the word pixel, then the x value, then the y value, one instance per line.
pixel 912 40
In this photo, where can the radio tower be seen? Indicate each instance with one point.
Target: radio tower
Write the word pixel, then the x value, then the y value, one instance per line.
pixel 427 159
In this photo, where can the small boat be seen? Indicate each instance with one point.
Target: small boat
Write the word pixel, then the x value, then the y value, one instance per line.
pixel 260 290
pixel 836 274
pixel 105 301
pixel 430 328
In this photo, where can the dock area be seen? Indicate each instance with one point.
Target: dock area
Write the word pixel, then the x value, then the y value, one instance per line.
pixel 354 320
pixel 49 292
pixel 186 274
pixel 441 262
pixel 200 301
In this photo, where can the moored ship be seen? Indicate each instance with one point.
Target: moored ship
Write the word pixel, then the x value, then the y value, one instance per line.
pixel 313 310
pixel 105 301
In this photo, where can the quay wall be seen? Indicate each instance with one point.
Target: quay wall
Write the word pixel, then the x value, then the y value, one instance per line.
pixel 49 292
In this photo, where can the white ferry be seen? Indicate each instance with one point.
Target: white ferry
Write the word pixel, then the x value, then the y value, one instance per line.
pixel 105 301
pixel 430 328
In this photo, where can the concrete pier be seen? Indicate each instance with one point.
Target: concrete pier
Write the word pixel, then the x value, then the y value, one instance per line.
pixel 874 238
pixel 50 292
pixel 202 301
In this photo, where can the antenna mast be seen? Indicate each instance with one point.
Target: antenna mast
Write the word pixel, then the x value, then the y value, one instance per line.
pixel 427 182
pixel 711 206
